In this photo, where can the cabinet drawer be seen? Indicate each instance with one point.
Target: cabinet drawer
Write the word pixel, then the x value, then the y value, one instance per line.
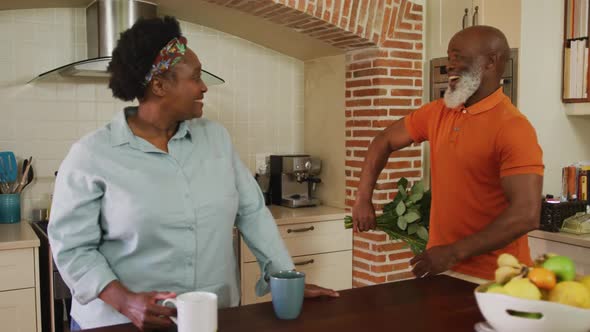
pixel 310 238
pixel 17 269
pixel 17 310
pixel 333 270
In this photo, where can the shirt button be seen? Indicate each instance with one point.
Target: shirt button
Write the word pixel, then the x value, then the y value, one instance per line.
pixel 464 111
pixel 192 228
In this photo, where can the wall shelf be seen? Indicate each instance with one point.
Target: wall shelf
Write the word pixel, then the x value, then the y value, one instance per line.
pixel 575 61
pixel 577 110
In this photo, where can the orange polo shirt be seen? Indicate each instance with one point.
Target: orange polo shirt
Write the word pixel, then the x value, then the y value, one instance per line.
pixel 471 150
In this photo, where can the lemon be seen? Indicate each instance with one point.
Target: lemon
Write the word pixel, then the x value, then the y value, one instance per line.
pixel 586 281
pixel 571 293
pixel 522 288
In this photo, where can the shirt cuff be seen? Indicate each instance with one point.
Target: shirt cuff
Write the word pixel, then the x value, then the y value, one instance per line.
pixel 533 169
pixel 88 287
pixel 268 268
pixel 411 131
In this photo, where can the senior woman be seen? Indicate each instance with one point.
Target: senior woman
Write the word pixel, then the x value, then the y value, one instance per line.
pixel 144 207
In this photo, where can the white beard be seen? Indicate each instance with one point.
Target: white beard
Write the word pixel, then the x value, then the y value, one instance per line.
pixel 468 83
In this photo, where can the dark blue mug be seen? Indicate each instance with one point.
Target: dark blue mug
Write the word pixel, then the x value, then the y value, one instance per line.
pixel 287 288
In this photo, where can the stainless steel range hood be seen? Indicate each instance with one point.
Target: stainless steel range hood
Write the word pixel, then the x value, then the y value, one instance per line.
pixel 105 20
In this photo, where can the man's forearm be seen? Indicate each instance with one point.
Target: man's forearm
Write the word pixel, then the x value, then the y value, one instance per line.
pixel 509 226
pixel 375 160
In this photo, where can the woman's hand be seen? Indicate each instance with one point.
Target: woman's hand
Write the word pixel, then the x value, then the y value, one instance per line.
pixel 144 311
pixel 317 291
pixel 141 308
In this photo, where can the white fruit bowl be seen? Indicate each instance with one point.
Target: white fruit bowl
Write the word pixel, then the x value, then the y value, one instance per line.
pixel 556 317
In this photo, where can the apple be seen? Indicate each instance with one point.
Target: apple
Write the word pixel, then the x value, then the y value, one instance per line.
pixel 563 267
pixel 495 288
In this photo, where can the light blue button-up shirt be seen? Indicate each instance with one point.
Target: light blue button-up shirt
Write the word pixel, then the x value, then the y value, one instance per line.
pixel 125 210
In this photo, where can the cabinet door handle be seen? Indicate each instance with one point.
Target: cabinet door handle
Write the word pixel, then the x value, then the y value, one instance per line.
pixel 311 261
pixel 300 230
pixel 475 18
pixel 464 24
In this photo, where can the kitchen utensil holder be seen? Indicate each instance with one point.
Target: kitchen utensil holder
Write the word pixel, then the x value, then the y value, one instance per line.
pixel 9 208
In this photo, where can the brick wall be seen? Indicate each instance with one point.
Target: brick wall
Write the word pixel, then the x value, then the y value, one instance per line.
pixel 384 59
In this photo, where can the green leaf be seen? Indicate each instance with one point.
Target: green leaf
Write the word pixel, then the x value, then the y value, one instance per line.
pixel 415 197
pixel 401 191
pixel 393 204
pixel 412 228
pixel 403 182
pixel 418 189
pixel 422 233
pixel 411 216
pixel 402 223
pixel 400 209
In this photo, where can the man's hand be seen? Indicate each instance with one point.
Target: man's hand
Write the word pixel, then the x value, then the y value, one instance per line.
pixel 144 311
pixel 317 291
pixel 363 216
pixel 434 261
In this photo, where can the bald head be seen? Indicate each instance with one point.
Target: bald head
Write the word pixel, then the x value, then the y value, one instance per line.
pixel 477 58
pixel 481 40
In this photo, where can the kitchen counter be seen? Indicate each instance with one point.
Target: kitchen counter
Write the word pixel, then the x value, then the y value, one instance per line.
pixel 439 303
pixel 285 216
pixel 17 236
pixel 566 238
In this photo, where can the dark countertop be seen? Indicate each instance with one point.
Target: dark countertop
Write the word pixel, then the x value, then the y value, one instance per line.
pixel 440 303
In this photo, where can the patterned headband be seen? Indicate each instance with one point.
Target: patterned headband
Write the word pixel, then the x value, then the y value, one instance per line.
pixel 168 56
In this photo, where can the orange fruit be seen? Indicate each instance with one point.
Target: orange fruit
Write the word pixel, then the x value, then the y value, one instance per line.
pixel 542 278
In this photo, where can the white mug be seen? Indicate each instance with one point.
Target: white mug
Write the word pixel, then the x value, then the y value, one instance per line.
pixel 196 311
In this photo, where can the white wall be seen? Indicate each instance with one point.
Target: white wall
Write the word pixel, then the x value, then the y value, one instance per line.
pixel 261 103
pixel 564 139
pixel 325 124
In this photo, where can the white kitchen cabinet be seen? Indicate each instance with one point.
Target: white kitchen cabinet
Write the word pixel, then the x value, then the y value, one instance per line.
pixel 17 310
pixel 19 279
pixel 502 14
pixel 447 17
pixel 318 243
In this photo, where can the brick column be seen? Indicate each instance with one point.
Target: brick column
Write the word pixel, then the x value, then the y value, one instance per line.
pixel 383 44
pixel 383 84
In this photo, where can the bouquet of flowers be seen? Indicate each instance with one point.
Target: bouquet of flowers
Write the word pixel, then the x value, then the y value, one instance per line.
pixel 407 217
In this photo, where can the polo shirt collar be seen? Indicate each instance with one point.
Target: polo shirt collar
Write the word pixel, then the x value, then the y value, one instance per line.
pixel 487 103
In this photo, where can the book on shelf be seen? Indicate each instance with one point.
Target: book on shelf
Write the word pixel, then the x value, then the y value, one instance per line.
pixel 575 56
pixel 575 181
pixel 576 18
pixel 575 69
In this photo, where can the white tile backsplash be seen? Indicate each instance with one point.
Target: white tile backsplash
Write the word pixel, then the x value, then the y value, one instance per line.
pixel 86 111
pixel 261 103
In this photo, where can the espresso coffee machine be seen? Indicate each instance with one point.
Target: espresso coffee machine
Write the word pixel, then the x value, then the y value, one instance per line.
pixel 293 179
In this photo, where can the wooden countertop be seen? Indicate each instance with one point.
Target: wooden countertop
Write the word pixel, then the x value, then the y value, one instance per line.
pixel 438 303
pixel 17 236
pixel 567 238
pixel 287 216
